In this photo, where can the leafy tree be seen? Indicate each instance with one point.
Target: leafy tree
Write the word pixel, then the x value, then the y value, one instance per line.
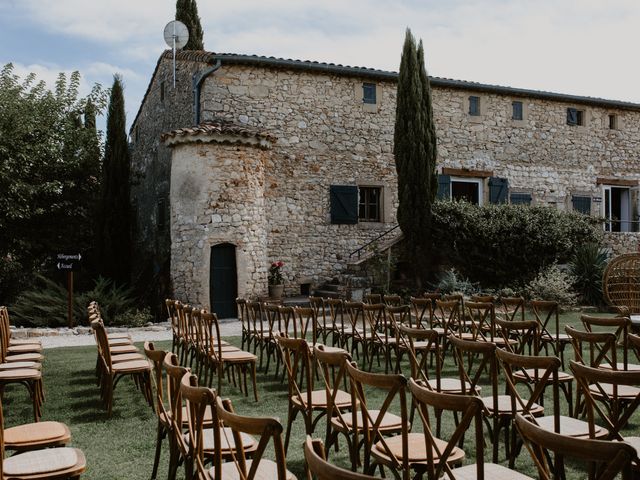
pixel 415 156
pixel 114 236
pixel 49 171
pixel 187 13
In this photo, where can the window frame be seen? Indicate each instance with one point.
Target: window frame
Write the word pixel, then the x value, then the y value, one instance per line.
pixel 477 101
pixel 581 117
pixel 475 180
pixel 612 121
pixel 364 192
pixel 371 88
pixel 513 110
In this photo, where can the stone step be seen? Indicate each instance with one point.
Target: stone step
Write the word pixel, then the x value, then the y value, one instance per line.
pixel 327 294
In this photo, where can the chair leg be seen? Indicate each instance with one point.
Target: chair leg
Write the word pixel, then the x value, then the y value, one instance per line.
pixel 156 459
pixel 253 378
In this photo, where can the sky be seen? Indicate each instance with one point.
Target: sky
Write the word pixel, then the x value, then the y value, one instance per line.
pixel 579 47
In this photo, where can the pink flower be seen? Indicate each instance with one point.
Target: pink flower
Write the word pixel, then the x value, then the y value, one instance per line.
pixel 280 264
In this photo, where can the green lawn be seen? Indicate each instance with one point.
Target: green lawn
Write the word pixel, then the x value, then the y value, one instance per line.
pixel 123 446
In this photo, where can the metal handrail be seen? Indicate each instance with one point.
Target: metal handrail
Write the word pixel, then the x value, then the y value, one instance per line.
pixel 359 250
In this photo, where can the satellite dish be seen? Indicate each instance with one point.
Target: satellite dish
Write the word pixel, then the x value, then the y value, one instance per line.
pixel 176 34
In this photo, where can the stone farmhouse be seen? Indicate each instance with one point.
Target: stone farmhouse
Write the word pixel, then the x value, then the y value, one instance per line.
pixel 249 160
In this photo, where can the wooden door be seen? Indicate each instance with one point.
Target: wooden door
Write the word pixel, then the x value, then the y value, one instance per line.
pixel 223 280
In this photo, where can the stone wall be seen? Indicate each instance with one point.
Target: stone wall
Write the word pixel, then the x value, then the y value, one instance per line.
pixel 619 243
pixel 217 196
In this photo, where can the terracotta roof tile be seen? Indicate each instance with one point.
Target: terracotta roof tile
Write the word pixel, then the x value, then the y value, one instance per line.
pixel 219 127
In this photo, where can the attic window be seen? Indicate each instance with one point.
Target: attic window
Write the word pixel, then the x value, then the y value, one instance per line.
pixel 369 93
pixel 575 117
pixel 474 106
pixel 613 122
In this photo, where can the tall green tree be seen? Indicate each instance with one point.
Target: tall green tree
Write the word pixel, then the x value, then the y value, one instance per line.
pixel 49 174
pixel 415 154
pixel 114 237
pixel 187 13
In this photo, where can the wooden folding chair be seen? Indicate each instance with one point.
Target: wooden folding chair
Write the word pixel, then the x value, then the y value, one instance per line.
pixel 620 327
pixel 45 464
pixel 378 336
pixel 547 315
pixel 356 331
pixel 320 469
pixel 422 313
pixel 610 458
pixel 269 431
pixel 337 314
pixel 512 308
pixel 437 457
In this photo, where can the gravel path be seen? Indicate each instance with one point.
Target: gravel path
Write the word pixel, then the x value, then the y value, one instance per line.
pixel 54 338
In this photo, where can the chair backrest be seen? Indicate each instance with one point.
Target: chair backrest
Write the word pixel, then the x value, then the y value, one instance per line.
pixel 375 325
pixel 422 309
pixel 482 316
pixel 447 314
pixel 512 308
pixel 619 326
pixel 175 373
pixel 197 399
pixel 371 419
pixel 547 314
pixel 211 333
pixel 475 359
pixel 471 409
pixel 182 327
pixel 333 373
pixel 392 300
pixel 270 431
pixel 256 318
pixel 483 298
pixel 103 344
pixel 243 314
pixel 172 314
pixel 524 332
pixel 318 305
pixel 336 313
pixel 540 372
pixel 372 298
pixel 157 359
pixel 320 469
pixel 601 347
pixel 612 457
pixel 297 361
pixel 355 314
pixel 609 386
pixel 306 318
pixel 272 315
pixel 419 358
pixel 286 320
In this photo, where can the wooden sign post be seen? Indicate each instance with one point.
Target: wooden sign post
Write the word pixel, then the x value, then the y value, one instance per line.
pixel 69 263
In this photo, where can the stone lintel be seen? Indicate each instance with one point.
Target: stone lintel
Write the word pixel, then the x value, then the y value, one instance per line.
pixel 463 172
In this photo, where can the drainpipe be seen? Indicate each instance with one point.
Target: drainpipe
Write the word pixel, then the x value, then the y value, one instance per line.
pixel 198 80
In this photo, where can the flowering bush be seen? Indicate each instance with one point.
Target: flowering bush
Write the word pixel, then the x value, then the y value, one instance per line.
pixel 275 273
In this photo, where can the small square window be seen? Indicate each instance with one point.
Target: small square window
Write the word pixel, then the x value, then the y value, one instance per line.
pixel 162 91
pixel 613 122
pixel 369 93
pixel 582 204
pixel 474 105
pixel 575 116
pixel 370 204
pixel 518 198
pixel 516 111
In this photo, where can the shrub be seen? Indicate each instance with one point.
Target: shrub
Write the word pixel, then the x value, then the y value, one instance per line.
pixel 133 318
pixel 502 245
pixel 587 267
pixel 45 305
pixel 552 283
pixel 450 282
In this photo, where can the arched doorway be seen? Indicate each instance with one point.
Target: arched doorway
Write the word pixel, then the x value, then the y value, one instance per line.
pixel 223 280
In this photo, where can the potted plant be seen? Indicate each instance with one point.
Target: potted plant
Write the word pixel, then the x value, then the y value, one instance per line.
pixel 276 281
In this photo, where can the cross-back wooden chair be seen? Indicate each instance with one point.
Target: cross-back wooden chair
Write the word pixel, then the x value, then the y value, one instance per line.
pixel 440 455
pixel 243 316
pixel 519 336
pixel 482 316
pixel 178 446
pixel 45 464
pixel 422 312
pixel 448 315
pixel 16 343
pixel 547 314
pixel 259 331
pixel 323 328
pixel 320 469
pixel 273 320
pixel 512 308
pixel 332 365
pixel 616 390
pixel 620 327
pixel 337 314
pixel 612 458
pixel 219 359
pixel 183 332
pixel 392 300
pixel 372 298
pixel 356 331
pixel 28 374
pixel 385 435
pixel 172 315
pixel 16 350
pixel 269 431
pixel 379 336
pixel 477 367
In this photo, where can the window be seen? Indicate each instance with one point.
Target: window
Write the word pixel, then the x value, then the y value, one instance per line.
pixel 516 111
pixel 344 204
pixel 582 204
pixel 613 122
pixel 369 93
pixel 520 198
pixel 474 105
pixel 575 116
pixel 467 189
pixel 370 202
pixel 162 91
pixel 617 208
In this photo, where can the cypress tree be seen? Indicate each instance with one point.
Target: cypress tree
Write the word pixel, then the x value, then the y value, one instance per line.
pixel 415 156
pixel 187 13
pixel 114 234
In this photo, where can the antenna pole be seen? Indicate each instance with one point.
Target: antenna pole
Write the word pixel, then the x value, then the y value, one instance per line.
pixel 174 55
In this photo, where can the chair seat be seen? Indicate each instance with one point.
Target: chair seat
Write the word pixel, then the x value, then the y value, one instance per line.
pixel 319 399
pixel 15 365
pixel 117 342
pixel 39 462
pixel 24 357
pixel 571 427
pixel 238 356
pixel 126 357
pixel 531 372
pixel 132 366
pixel 491 470
pixel 40 434
pixel 28 348
pixel 267 470
pixel 390 422
pixel 123 349
pixel 114 335
pixel 504 406
pixel 452 386
pixel 226 436
pixel 207 420
pixel 24 341
pixel 20 373
pixel 632 367
pixel 417 449
pixel 562 338
pixel 625 392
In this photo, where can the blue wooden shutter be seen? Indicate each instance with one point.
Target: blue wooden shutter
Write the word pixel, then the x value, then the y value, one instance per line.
pixel 444 187
pixel 581 204
pixel 520 199
pixel 344 204
pixel 498 188
pixel 572 116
